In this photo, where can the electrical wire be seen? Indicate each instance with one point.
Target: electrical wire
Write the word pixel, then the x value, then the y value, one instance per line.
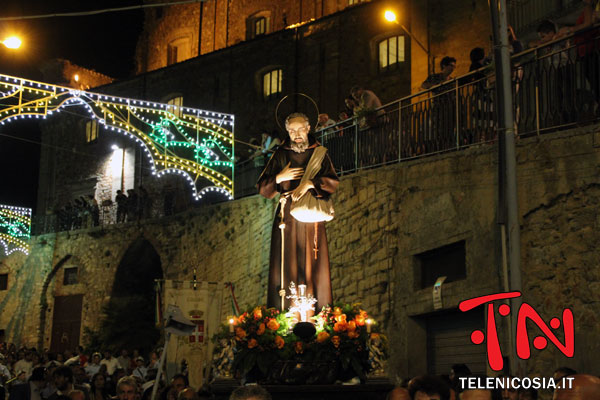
pixel 102 11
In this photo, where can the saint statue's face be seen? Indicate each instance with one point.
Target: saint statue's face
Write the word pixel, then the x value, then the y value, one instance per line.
pixel 298 129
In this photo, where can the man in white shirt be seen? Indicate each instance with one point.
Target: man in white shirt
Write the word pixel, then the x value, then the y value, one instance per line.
pixel 93 366
pixel 24 364
pixel 4 371
pixel 140 370
pixel 110 362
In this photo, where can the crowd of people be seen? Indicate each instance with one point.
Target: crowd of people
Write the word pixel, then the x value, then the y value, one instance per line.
pixel 83 212
pixel 26 374
pixel 134 205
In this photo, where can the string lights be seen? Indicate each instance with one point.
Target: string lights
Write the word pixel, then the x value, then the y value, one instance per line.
pixel 15 229
pixel 196 144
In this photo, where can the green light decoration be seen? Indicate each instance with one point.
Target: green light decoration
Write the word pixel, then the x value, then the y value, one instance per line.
pixel 15 229
pixel 196 144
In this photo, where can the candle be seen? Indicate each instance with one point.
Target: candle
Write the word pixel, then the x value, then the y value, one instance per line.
pixel 231 321
pixel 369 322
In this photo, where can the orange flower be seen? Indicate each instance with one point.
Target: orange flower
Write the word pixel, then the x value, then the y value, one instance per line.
pixel 353 334
pixel 298 347
pixel 336 341
pixel 340 326
pixel 279 342
pixel 337 311
pixel 257 313
pixel 322 336
pixel 242 317
pixel 261 329
pixel 360 320
pixel 341 318
pixel 252 343
pixel 273 324
pixel 240 333
pixel 363 314
pixel 351 326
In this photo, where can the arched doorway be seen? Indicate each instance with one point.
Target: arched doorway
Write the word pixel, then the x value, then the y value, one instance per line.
pixel 129 314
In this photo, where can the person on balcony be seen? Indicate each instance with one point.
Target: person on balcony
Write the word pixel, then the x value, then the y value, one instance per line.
pixel 448 65
pixel 439 134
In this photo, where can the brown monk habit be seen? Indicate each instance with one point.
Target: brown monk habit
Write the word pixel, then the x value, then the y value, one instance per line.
pixel 300 265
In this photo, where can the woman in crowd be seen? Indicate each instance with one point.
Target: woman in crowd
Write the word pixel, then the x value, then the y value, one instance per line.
pixel 99 390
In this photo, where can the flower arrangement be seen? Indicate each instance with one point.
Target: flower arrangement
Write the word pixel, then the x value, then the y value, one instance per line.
pixel 264 342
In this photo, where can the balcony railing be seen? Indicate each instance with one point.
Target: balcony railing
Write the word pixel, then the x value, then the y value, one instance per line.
pixel 555 86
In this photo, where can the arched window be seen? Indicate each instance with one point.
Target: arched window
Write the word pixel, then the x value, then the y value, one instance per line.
pixel 391 52
pixel 175 105
pixel 272 82
pixel 179 50
pixel 260 26
pixel 91 131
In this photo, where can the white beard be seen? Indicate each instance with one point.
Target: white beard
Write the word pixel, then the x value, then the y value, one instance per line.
pixel 299 147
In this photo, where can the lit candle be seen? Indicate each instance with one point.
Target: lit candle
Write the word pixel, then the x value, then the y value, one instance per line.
pixel 231 321
pixel 369 321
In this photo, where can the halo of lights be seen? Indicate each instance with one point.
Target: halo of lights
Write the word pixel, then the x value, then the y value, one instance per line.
pixel 15 229
pixel 196 144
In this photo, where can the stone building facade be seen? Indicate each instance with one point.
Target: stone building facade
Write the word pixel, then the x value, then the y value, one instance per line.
pixel 388 222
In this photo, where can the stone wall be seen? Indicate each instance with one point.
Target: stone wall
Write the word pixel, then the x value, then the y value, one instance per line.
pixel 217 24
pixel 384 217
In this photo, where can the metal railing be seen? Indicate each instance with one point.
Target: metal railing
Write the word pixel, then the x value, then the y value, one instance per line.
pixel 555 86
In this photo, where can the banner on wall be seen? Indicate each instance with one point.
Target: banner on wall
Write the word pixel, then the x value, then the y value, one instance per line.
pixel 200 302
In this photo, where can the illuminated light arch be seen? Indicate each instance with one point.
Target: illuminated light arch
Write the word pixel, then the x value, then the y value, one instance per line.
pixel 197 144
pixel 15 229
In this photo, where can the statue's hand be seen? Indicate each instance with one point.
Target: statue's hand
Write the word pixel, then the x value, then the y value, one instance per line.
pixel 301 190
pixel 289 174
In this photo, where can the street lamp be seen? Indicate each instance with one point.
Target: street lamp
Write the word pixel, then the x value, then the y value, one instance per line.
pixel 12 42
pixel 390 16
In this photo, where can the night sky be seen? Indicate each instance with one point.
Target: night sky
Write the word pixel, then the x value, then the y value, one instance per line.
pixel 105 43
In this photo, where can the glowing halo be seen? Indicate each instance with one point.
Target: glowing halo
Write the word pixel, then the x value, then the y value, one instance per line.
pixel 281 121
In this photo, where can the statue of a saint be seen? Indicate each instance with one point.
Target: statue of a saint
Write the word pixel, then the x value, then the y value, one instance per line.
pixel 306 258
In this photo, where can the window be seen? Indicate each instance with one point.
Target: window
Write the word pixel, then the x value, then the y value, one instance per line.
pixel 391 52
pixel 260 26
pixel 3 281
pixel 448 261
pixel 91 131
pixel 171 54
pixel 272 82
pixel 353 2
pixel 179 50
pixel 175 105
pixel 70 277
